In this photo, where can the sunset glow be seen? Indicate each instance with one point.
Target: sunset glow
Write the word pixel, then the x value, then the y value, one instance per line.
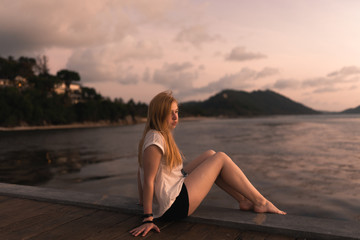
pixel 306 50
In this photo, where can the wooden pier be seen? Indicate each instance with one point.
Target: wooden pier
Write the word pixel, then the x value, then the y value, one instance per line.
pixel 39 213
pixel 31 219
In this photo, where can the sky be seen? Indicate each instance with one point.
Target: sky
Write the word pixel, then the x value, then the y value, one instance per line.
pixel 308 51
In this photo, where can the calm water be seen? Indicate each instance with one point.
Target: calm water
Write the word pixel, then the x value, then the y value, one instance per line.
pixel 306 165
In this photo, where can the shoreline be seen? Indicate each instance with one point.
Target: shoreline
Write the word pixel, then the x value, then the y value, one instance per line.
pixel 126 122
pixel 61 126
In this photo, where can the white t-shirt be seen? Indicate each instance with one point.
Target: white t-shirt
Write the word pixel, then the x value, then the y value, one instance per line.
pixel 168 183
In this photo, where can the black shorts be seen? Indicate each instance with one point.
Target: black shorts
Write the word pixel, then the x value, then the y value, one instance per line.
pixel 179 209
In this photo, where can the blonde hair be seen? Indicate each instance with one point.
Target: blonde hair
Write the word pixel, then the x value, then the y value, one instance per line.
pixel 159 110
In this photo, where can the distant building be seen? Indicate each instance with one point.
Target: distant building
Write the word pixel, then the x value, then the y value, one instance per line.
pixel 60 88
pixel 21 82
pixel 75 92
pixel 5 83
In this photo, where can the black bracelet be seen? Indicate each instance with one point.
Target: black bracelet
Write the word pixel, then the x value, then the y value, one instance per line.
pixel 147 215
pixel 148 221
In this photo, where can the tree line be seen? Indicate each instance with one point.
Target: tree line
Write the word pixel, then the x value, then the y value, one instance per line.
pixel 28 96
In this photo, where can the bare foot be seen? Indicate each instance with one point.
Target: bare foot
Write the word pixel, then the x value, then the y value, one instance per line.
pixel 268 207
pixel 246 205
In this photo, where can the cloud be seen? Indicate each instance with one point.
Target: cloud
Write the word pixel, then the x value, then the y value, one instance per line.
pixel 96 68
pixel 196 35
pixel 345 71
pixel 113 62
pixel 353 87
pixel 329 83
pixel 146 75
pixel 176 75
pixel 37 25
pixel 243 79
pixel 266 72
pixel 345 75
pixel 240 54
pixel 286 84
pixel 316 82
pixel 326 90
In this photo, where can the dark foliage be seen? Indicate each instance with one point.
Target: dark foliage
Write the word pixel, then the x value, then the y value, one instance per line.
pixel 231 103
pixel 352 110
pixel 38 104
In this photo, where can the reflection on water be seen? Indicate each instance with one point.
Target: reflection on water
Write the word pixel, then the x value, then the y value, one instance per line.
pixel 307 165
pixel 28 168
pixel 39 157
pixel 38 167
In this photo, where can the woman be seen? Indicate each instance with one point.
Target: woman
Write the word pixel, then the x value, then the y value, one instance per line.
pixel 170 192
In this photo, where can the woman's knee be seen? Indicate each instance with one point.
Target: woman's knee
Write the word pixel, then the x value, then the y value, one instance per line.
pixel 211 155
pixel 210 152
pixel 222 156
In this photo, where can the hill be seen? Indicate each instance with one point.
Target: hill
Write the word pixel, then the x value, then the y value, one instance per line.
pixel 232 103
pixel 352 110
pixel 31 96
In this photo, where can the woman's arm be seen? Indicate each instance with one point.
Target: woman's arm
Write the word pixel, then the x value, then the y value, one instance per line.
pixel 140 188
pixel 151 161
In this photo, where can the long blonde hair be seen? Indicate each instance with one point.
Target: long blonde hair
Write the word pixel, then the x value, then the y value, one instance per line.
pixel 159 110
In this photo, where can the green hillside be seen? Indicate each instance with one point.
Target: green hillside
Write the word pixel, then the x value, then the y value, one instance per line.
pixel 232 103
pixel 352 110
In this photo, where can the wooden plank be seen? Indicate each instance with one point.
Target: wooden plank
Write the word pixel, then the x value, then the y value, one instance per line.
pixel 19 209
pixel 248 235
pixel 280 237
pixel 119 231
pixel 186 231
pixel 19 204
pixel 171 230
pixel 30 219
pixel 55 216
pixel 4 198
pixel 161 225
pixel 205 231
pixel 83 227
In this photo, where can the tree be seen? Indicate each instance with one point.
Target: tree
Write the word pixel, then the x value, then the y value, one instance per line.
pixel 39 104
pixel 8 68
pixel 44 83
pixel 68 77
pixel 26 67
pixel 41 67
pixel 90 94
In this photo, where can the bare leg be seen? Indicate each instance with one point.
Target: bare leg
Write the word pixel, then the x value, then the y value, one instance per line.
pixel 202 177
pixel 244 203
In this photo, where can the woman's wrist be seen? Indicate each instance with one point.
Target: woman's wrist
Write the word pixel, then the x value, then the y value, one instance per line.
pixel 147 217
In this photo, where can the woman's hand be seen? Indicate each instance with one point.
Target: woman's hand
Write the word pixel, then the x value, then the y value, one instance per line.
pixel 144 228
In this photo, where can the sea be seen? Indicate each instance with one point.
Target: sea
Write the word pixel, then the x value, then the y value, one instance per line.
pixel 307 165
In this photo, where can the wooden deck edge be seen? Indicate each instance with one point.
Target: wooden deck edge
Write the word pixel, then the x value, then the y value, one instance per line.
pixel 295 226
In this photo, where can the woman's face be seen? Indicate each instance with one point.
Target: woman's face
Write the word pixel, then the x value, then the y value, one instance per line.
pixel 173 117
